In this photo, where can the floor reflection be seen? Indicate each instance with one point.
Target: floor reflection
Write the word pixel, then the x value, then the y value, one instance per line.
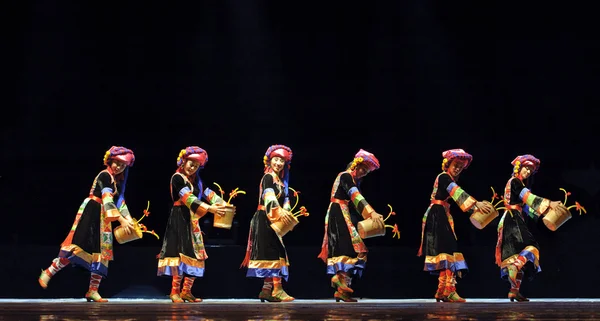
pixel 366 310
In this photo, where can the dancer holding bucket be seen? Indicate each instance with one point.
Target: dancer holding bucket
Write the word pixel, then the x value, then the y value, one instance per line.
pixel 89 244
pixel 517 251
pixel 266 256
pixel 438 239
pixel 182 255
pixel 343 250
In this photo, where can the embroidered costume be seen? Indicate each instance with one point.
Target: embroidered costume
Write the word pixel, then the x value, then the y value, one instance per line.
pixel 266 256
pixel 342 249
pixel 89 243
pixel 517 251
pixel 182 255
pixel 438 239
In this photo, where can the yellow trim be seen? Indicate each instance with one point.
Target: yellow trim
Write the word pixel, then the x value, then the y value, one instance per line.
pixel 346 259
pixel 457 256
pixel 513 258
pixel 176 261
pixel 268 264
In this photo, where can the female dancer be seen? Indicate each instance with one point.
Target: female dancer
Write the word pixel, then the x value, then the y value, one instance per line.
pixel 89 244
pixel 182 255
pixel 517 251
pixel 437 235
pixel 343 250
pixel 266 256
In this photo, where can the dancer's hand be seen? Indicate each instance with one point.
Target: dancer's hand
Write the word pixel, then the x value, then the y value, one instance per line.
pixel 286 216
pixel 217 209
pixel 484 207
pixel 378 219
pixel 126 224
pixel 554 204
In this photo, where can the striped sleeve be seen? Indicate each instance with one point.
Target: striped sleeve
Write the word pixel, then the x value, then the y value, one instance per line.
pixel 359 201
pixel 460 197
pixel 212 197
pixel 538 204
pixel 188 198
pixel 269 198
pixel 105 183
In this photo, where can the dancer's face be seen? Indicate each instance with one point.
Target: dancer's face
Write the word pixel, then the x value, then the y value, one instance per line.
pixel 526 171
pixel 361 171
pixel 277 164
pixel 456 167
pixel 117 166
pixel 190 167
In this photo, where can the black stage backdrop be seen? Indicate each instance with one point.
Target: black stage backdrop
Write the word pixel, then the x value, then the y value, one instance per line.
pixel 405 80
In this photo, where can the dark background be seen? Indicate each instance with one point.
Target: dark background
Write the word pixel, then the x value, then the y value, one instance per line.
pixel 404 80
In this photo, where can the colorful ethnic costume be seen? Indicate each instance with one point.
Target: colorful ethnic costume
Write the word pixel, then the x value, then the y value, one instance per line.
pixel 438 239
pixel 89 243
pixel 342 249
pixel 517 251
pixel 182 255
pixel 266 256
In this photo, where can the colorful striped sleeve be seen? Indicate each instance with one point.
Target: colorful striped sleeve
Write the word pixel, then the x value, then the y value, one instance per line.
pixel 187 197
pixel 105 183
pixel 124 210
pixel 538 204
pixel 269 198
pixel 460 197
pixel 360 203
pixel 212 197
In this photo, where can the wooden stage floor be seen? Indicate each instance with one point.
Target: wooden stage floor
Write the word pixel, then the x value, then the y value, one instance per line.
pixel 251 309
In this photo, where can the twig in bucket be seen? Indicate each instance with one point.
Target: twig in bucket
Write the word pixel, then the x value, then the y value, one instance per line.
pixel 390 213
pixel 145 230
pixel 394 230
pixel 295 196
pixel 496 197
pixel 146 212
pixel 301 212
pixel 232 195
pixel 235 193
pixel 577 206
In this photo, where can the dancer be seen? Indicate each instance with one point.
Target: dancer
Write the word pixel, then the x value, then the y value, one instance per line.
pixel 89 243
pixel 517 251
pixel 438 238
pixel 343 250
pixel 266 256
pixel 182 255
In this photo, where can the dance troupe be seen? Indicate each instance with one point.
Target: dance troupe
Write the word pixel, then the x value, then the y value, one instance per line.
pixel 89 243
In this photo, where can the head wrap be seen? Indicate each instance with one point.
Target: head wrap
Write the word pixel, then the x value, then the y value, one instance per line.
pixel 525 160
pixel 365 158
pixel 454 154
pixel 120 153
pixel 193 153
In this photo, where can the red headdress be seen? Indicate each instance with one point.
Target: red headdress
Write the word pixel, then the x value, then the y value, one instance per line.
pixel 120 153
pixel 525 160
pixel 366 158
pixel 454 154
pixel 194 153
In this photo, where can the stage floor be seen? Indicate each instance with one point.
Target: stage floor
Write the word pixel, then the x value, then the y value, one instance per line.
pixel 252 309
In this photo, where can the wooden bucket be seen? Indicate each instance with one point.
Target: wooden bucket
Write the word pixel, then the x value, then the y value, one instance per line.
pixel 368 228
pixel 282 228
pixel 122 237
pixel 226 220
pixel 556 217
pixel 481 220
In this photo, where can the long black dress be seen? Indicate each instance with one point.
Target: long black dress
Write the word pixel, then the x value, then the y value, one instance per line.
pixel 514 238
pixel 343 249
pixel 438 238
pixel 183 246
pixel 89 243
pixel 266 256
